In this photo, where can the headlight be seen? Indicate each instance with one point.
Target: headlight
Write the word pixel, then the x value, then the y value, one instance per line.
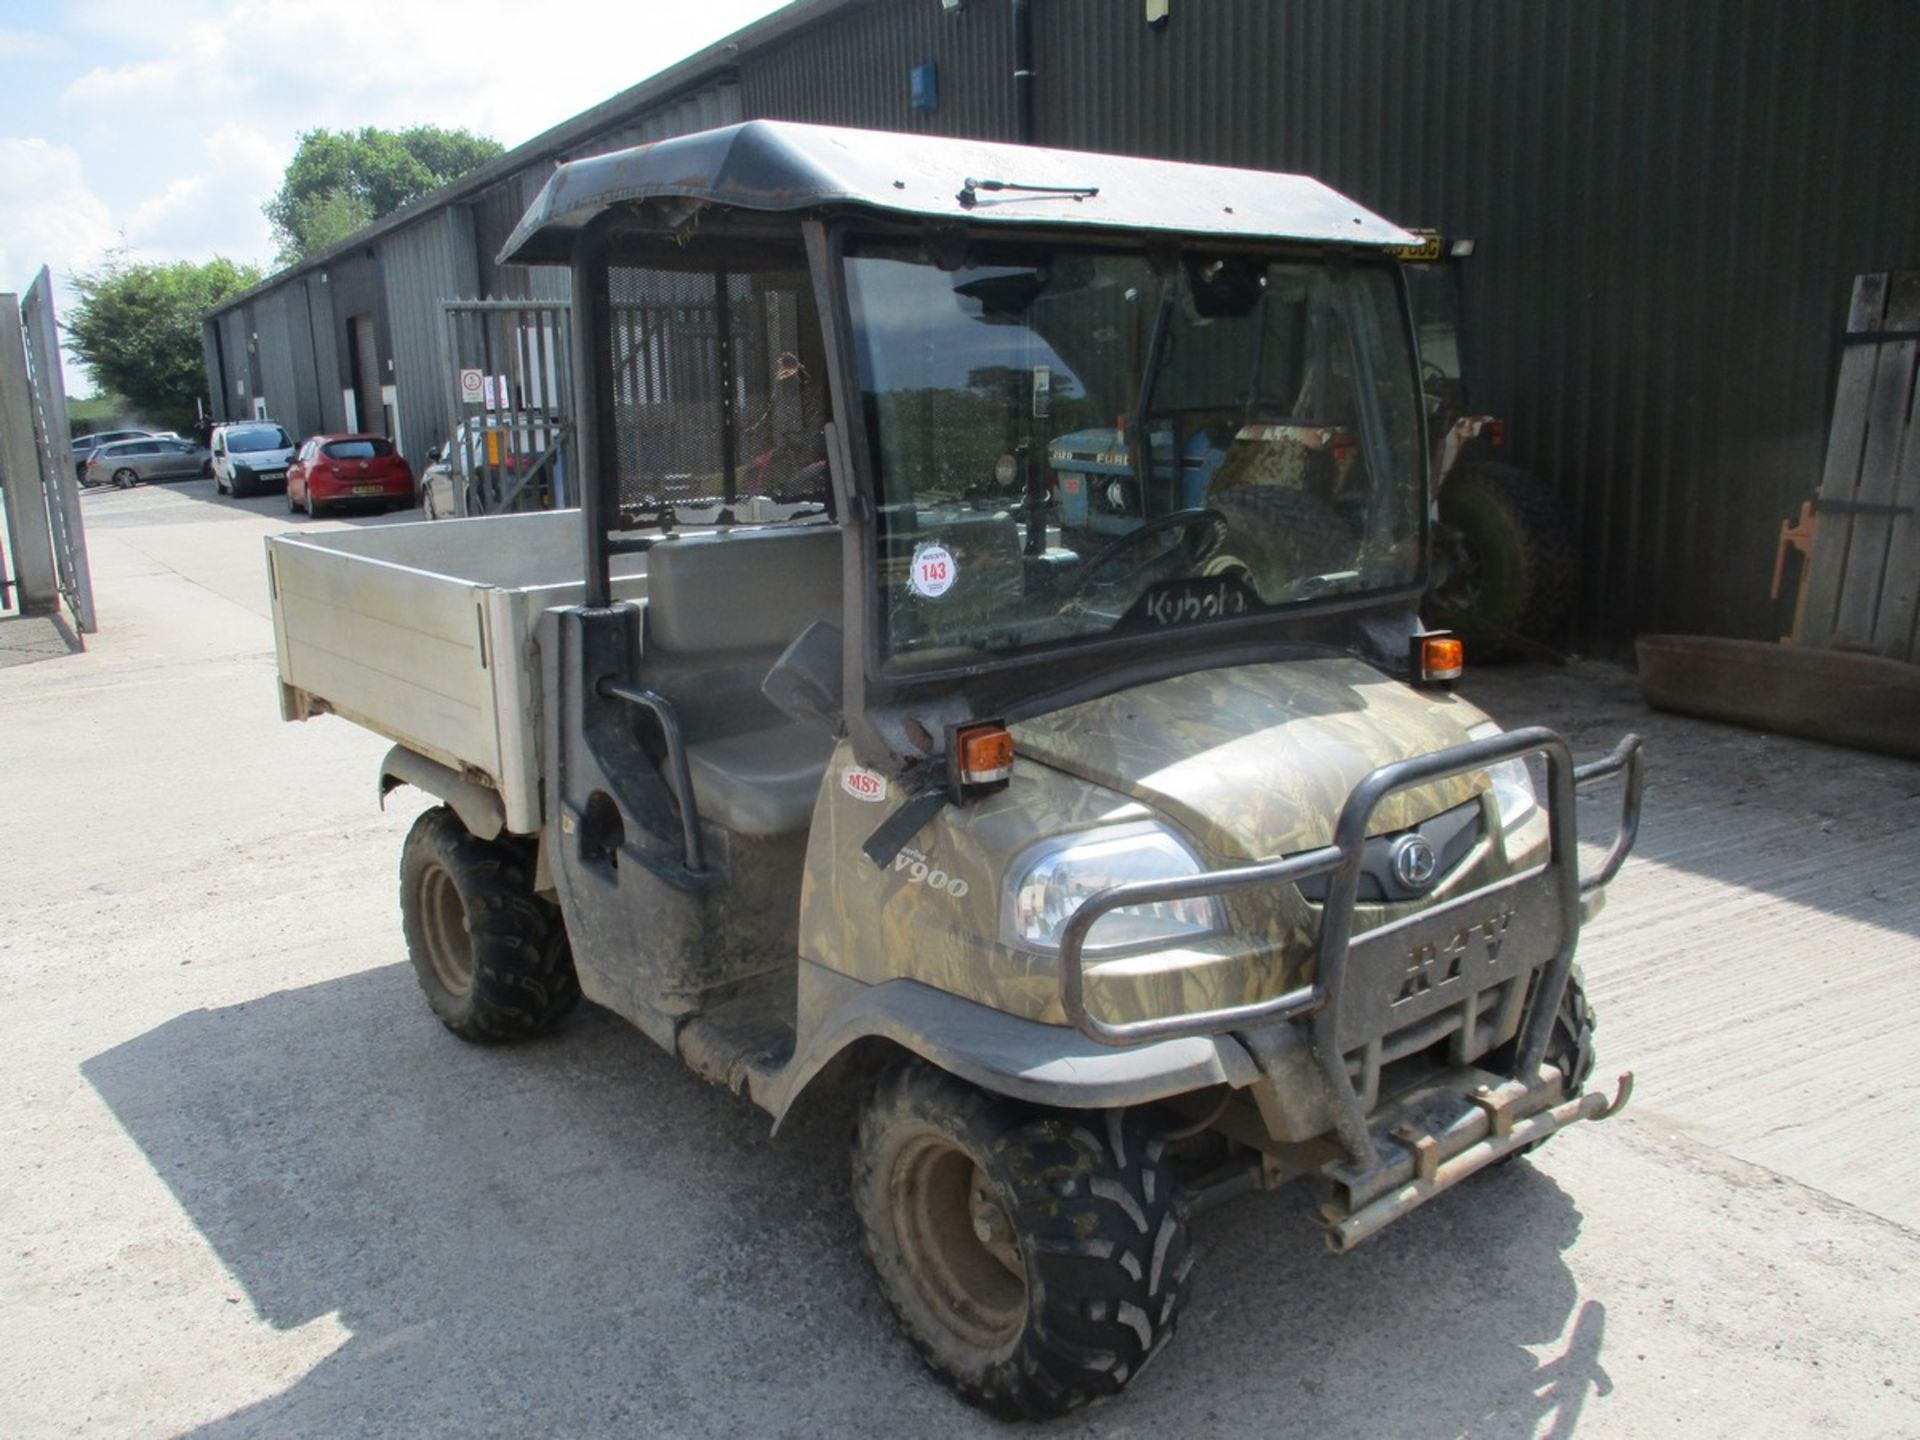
pixel 1049 882
pixel 1513 793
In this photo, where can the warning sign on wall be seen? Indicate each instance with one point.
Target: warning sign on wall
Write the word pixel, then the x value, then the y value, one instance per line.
pixel 473 387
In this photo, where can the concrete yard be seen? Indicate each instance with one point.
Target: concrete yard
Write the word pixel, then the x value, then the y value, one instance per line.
pixel 251 1188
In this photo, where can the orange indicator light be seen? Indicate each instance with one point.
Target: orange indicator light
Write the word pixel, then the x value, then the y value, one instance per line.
pixel 1442 657
pixel 985 754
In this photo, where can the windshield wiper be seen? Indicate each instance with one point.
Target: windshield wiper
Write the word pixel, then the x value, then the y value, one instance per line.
pixel 970 188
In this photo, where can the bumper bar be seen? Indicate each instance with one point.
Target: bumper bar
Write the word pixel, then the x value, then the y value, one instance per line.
pixel 1484 1136
pixel 1548 899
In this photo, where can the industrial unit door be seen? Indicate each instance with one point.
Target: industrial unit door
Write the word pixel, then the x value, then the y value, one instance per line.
pixel 366 374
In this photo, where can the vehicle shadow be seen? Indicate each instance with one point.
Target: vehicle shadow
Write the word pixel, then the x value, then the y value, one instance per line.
pixel 578 1237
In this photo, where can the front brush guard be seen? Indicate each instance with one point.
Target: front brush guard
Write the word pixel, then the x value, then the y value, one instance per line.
pixel 1540 908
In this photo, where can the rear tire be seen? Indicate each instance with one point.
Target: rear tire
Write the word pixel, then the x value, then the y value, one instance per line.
pixel 1513 565
pixel 125 479
pixel 1037 1259
pixel 491 956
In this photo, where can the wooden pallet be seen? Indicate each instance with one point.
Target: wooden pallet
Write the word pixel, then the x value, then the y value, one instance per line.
pixel 1863 581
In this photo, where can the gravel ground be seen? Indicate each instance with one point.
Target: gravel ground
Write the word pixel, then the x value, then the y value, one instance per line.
pixel 250 1187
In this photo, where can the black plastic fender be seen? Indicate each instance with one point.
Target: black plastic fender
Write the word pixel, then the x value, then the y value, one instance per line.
pixel 1025 1059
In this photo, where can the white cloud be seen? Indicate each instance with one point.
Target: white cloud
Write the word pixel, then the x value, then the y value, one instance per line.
pixel 147 82
pixel 156 210
pixel 24 44
pixel 238 149
pixel 299 64
pixel 48 215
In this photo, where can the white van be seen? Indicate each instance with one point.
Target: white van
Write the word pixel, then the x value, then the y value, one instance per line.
pixel 249 456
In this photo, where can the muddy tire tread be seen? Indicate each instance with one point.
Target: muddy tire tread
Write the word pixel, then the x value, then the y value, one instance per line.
pixel 1103 1236
pixel 524 980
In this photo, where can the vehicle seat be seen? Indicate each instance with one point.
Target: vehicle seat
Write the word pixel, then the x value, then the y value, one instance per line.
pixel 760 782
pixel 720 610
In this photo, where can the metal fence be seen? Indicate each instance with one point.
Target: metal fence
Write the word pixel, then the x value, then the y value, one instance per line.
pixel 42 490
pixel 719 386
pixel 510 393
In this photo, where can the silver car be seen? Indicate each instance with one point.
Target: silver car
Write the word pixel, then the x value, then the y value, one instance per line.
pixel 155 457
pixel 85 445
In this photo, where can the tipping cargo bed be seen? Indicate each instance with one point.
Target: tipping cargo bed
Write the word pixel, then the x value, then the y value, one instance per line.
pixel 424 633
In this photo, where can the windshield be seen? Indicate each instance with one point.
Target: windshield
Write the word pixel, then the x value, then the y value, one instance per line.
pixel 265 437
pixel 1071 442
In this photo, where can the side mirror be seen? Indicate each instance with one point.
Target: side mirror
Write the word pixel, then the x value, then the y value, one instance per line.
pixel 805 682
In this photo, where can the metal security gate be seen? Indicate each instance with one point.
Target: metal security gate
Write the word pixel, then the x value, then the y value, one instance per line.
pixel 511 399
pixel 719 387
pixel 43 493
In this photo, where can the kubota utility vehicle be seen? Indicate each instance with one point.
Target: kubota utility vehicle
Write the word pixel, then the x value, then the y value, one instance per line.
pixel 986 661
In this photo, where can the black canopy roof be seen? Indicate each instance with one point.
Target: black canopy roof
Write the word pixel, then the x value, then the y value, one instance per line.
pixel 778 165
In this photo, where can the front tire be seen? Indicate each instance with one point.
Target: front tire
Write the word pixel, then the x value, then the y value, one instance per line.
pixel 491 956
pixel 1037 1259
pixel 1569 1049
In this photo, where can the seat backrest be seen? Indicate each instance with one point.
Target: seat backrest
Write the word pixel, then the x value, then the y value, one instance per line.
pixel 752 590
pixel 721 608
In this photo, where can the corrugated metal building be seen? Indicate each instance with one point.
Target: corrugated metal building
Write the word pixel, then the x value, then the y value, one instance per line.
pixel 1670 203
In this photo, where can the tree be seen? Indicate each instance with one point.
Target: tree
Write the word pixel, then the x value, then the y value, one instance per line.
pixel 339 180
pixel 137 330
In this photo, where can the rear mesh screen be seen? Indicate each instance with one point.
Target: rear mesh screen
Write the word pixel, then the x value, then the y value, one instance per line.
pixel 719 387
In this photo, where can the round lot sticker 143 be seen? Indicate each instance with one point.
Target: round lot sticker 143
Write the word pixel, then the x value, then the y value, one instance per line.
pixel 934 571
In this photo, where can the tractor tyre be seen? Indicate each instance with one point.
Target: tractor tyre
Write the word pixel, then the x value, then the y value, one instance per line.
pixel 1510 573
pixel 491 956
pixel 1277 536
pixel 1037 1259
pixel 1569 1048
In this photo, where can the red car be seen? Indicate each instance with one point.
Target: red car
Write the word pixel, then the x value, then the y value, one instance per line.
pixel 339 470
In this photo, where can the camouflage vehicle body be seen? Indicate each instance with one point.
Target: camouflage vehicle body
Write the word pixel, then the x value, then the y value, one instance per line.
pixel 1246 763
pixel 1130 865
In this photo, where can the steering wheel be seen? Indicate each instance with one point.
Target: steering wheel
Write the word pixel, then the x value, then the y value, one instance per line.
pixel 1184 520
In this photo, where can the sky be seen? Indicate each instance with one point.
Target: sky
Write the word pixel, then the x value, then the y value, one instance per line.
pixel 160 127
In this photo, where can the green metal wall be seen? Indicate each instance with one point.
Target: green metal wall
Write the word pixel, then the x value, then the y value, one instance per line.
pixel 1671 198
